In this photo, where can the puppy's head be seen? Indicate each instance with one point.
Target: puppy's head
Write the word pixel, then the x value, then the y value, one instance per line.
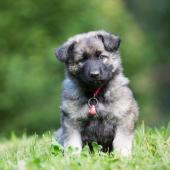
pixel 91 58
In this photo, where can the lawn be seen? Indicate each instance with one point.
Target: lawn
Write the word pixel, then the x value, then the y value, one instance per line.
pixel 151 152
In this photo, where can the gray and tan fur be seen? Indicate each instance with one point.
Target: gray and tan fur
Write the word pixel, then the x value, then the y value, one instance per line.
pixel 92 60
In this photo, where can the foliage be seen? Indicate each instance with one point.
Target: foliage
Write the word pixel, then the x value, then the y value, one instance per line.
pixel 151 151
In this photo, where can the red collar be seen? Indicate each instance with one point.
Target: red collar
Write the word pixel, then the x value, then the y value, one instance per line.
pixel 97 91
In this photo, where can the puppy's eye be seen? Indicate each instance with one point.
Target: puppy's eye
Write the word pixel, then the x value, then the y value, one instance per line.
pixel 102 56
pixel 82 60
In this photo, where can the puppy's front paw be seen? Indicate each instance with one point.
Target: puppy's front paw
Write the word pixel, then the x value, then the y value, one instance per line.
pixel 123 150
pixel 122 144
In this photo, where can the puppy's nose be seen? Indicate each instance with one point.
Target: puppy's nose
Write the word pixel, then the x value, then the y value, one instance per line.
pixel 94 74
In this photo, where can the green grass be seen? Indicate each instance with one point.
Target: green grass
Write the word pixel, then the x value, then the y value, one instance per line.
pixel 151 152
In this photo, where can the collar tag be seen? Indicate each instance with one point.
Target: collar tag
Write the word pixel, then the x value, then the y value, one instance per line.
pixel 92 102
pixel 92 110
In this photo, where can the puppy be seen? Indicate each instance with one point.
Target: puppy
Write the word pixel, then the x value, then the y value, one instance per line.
pixel 97 104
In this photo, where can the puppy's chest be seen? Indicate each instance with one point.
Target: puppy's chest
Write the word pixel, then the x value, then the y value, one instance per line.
pixel 98 130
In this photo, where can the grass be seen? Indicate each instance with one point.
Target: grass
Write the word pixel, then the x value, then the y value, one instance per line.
pixel 151 152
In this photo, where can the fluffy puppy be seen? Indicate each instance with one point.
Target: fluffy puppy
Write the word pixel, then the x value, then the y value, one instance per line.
pixel 97 104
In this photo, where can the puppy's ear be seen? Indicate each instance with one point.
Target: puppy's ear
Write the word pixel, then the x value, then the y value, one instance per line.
pixel 110 42
pixel 64 52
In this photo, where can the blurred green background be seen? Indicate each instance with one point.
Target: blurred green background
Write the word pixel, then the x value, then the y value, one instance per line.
pixel 31 77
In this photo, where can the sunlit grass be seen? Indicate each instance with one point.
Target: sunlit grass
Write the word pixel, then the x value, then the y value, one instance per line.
pixel 151 151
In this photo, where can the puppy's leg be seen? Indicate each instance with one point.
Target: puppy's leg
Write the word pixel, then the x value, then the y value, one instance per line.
pixel 71 136
pixel 73 139
pixel 126 113
pixel 123 141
